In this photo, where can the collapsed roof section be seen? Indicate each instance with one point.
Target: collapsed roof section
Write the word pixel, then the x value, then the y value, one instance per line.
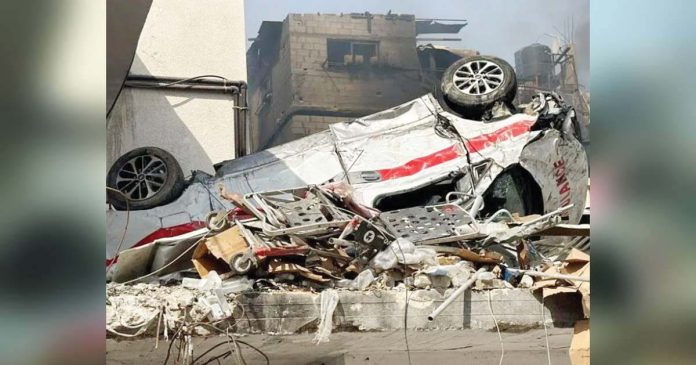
pixel 430 26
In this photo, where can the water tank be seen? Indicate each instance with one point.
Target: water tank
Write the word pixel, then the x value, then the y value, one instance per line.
pixel 534 62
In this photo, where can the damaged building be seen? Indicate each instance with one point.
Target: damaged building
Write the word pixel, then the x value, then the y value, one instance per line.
pixel 312 70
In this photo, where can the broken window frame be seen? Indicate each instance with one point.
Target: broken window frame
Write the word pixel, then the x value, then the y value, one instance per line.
pixel 470 175
pixel 334 63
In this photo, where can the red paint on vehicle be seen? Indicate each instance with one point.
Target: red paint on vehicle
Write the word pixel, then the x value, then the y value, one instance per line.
pixel 484 141
pixel 164 233
pixel 239 213
pixel 559 173
pixel 420 163
pixel 474 144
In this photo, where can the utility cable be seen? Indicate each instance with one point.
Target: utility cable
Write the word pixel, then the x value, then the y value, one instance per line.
pixel 125 229
pixel 546 332
pixel 500 337
pixel 403 257
pixel 268 361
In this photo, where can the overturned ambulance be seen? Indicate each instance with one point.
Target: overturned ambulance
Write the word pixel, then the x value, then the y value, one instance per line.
pixel 467 145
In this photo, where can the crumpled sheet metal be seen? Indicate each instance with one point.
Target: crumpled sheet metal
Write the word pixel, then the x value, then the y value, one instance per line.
pixel 398 150
pixel 500 141
pixel 393 151
pixel 298 163
pixel 559 166
pixel 299 147
pixel 382 122
pixel 189 211
pixel 138 261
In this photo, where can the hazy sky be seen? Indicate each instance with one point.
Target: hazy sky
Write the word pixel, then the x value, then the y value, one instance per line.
pixel 496 27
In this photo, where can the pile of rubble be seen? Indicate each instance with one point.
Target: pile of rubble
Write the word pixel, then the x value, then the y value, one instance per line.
pixel 412 198
pixel 322 238
pixel 317 238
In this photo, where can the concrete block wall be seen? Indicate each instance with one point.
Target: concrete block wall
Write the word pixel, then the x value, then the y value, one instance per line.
pixel 397 37
pixel 282 90
pixel 393 82
pixel 302 80
pixel 514 309
pixel 347 25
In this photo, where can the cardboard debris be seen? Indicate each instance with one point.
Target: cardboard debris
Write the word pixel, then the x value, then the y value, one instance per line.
pixel 547 292
pixel 577 263
pixel 579 350
pixel 544 283
pixel 586 305
pixel 577 256
pixel 279 267
pixel 215 253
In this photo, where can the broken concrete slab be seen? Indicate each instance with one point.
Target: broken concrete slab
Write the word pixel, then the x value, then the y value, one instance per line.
pixel 290 312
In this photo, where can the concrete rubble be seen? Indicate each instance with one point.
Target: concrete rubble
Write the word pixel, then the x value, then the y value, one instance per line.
pixel 294 312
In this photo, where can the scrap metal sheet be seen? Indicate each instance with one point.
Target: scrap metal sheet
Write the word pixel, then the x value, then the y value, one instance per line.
pixel 559 166
pixel 385 121
pixel 396 150
pixel 306 161
pixel 399 161
pixel 502 141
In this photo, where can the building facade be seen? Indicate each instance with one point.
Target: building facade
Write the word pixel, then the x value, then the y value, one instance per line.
pixel 312 70
pixel 182 39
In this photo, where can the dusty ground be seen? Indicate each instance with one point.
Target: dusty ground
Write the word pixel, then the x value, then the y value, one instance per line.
pixel 347 348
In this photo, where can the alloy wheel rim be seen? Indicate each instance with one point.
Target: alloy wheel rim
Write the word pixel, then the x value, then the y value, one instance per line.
pixel 141 177
pixel 478 77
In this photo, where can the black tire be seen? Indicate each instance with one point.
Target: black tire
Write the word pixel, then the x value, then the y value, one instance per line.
pixel 161 182
pixel 514 190
pixel 489 86
pixel 454 108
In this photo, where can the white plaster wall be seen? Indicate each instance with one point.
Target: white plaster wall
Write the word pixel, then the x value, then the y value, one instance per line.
pixel 183 38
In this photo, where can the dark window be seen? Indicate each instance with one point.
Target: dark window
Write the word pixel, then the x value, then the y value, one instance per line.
pixel 336 50
pixel 346 52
